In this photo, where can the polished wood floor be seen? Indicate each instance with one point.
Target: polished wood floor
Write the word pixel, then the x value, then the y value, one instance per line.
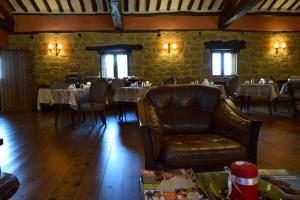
pixel 97 163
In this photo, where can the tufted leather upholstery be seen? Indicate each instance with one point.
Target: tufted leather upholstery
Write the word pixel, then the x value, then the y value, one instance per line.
pixel 191 126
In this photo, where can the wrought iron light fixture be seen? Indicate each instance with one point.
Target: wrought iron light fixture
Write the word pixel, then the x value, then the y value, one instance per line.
pixel 55 48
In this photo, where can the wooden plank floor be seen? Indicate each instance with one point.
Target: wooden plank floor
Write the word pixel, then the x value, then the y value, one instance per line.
pixel 98 163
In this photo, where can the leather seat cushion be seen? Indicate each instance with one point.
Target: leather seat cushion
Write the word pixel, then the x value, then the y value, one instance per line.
pixel 201 150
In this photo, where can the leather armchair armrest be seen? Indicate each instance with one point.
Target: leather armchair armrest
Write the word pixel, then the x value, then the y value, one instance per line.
pixel 152 132
pixel 229 122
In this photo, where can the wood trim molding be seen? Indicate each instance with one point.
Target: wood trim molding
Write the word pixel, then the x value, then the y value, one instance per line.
pixel 116 47
pixel 235 45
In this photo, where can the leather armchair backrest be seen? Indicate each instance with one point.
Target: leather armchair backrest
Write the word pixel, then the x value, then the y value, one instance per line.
pixel 182 109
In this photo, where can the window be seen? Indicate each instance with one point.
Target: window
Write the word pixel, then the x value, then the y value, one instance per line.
pixel 114 65
pixel 224 63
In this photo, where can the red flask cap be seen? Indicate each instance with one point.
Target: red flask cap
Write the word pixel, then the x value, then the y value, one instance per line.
pixel 244 169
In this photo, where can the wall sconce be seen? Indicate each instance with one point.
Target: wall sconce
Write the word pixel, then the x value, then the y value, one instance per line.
pixel 168 48
pixel 276 46
pixel 57 48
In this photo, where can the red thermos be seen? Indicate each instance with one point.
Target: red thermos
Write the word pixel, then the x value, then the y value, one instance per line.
pixel 244 177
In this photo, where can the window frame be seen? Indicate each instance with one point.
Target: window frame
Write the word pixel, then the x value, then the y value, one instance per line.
pixel 115 53
pixel 222 51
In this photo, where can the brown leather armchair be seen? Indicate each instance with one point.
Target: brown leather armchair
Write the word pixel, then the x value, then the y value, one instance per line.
pixel 294 92
pixel 191 126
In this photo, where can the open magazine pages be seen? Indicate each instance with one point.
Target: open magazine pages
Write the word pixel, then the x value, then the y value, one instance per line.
pixel 178 184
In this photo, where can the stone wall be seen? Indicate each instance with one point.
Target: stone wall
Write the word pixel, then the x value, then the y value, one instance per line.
pixel 152 63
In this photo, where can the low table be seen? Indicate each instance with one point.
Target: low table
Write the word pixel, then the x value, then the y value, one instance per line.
pixel 214 184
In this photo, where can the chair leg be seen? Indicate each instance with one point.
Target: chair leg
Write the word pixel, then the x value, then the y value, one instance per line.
pixel 56 112
pixel 94 113
pixel 83 115
pixel 103 117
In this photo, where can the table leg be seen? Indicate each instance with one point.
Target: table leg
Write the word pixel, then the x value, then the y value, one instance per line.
pixel 73 113
pixel 270 105
pixel 248 103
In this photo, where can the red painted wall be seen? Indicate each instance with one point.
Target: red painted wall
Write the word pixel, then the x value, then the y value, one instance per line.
pixel 267 23
pixel 169 22
pixel 31 23
pixel 41 23
pixel 3 39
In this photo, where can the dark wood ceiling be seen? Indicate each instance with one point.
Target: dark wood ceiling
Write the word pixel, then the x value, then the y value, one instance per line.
pixel 228 11
pixel 146 6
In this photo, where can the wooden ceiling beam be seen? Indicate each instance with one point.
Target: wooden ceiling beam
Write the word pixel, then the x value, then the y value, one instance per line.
pixel 94 5
pixel 59 6
pixel 105 8
pixel 262 4
pixel 169 5
pixel 137 5
pixel 70 6
pixel 279 8
pixel 232 11
pixel 10 5
pixel 82 5
pixel 47 5
pixel 298 7
pixel 190 5
pixel 201 4
pixel 211 5
pixel 222 5
pixel 21 4
pixel 8 22
pixel 125 5
pixel 272 4
pixel 179 5
pixel 36 8
pixel 147 5
pixel 293 4
pixel 116 14
pixel 158 5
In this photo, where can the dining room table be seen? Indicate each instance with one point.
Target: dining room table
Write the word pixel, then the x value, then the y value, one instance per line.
pixel 247 90
pixel 125 95
pixel 68 98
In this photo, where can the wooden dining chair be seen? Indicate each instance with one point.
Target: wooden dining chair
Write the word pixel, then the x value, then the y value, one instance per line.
pixel 97 100
pixel 170 81
pixel 186 80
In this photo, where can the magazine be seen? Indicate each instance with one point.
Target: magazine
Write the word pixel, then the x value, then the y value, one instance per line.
pixel 178 184
pixel 287 182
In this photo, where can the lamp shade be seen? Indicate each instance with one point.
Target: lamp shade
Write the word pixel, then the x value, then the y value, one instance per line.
pixel 50 46
pixel 59 46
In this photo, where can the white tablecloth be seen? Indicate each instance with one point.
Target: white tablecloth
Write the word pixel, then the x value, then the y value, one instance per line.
pixel 130 94
pixel 258 90
pixel 43 97
pixel 69 96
